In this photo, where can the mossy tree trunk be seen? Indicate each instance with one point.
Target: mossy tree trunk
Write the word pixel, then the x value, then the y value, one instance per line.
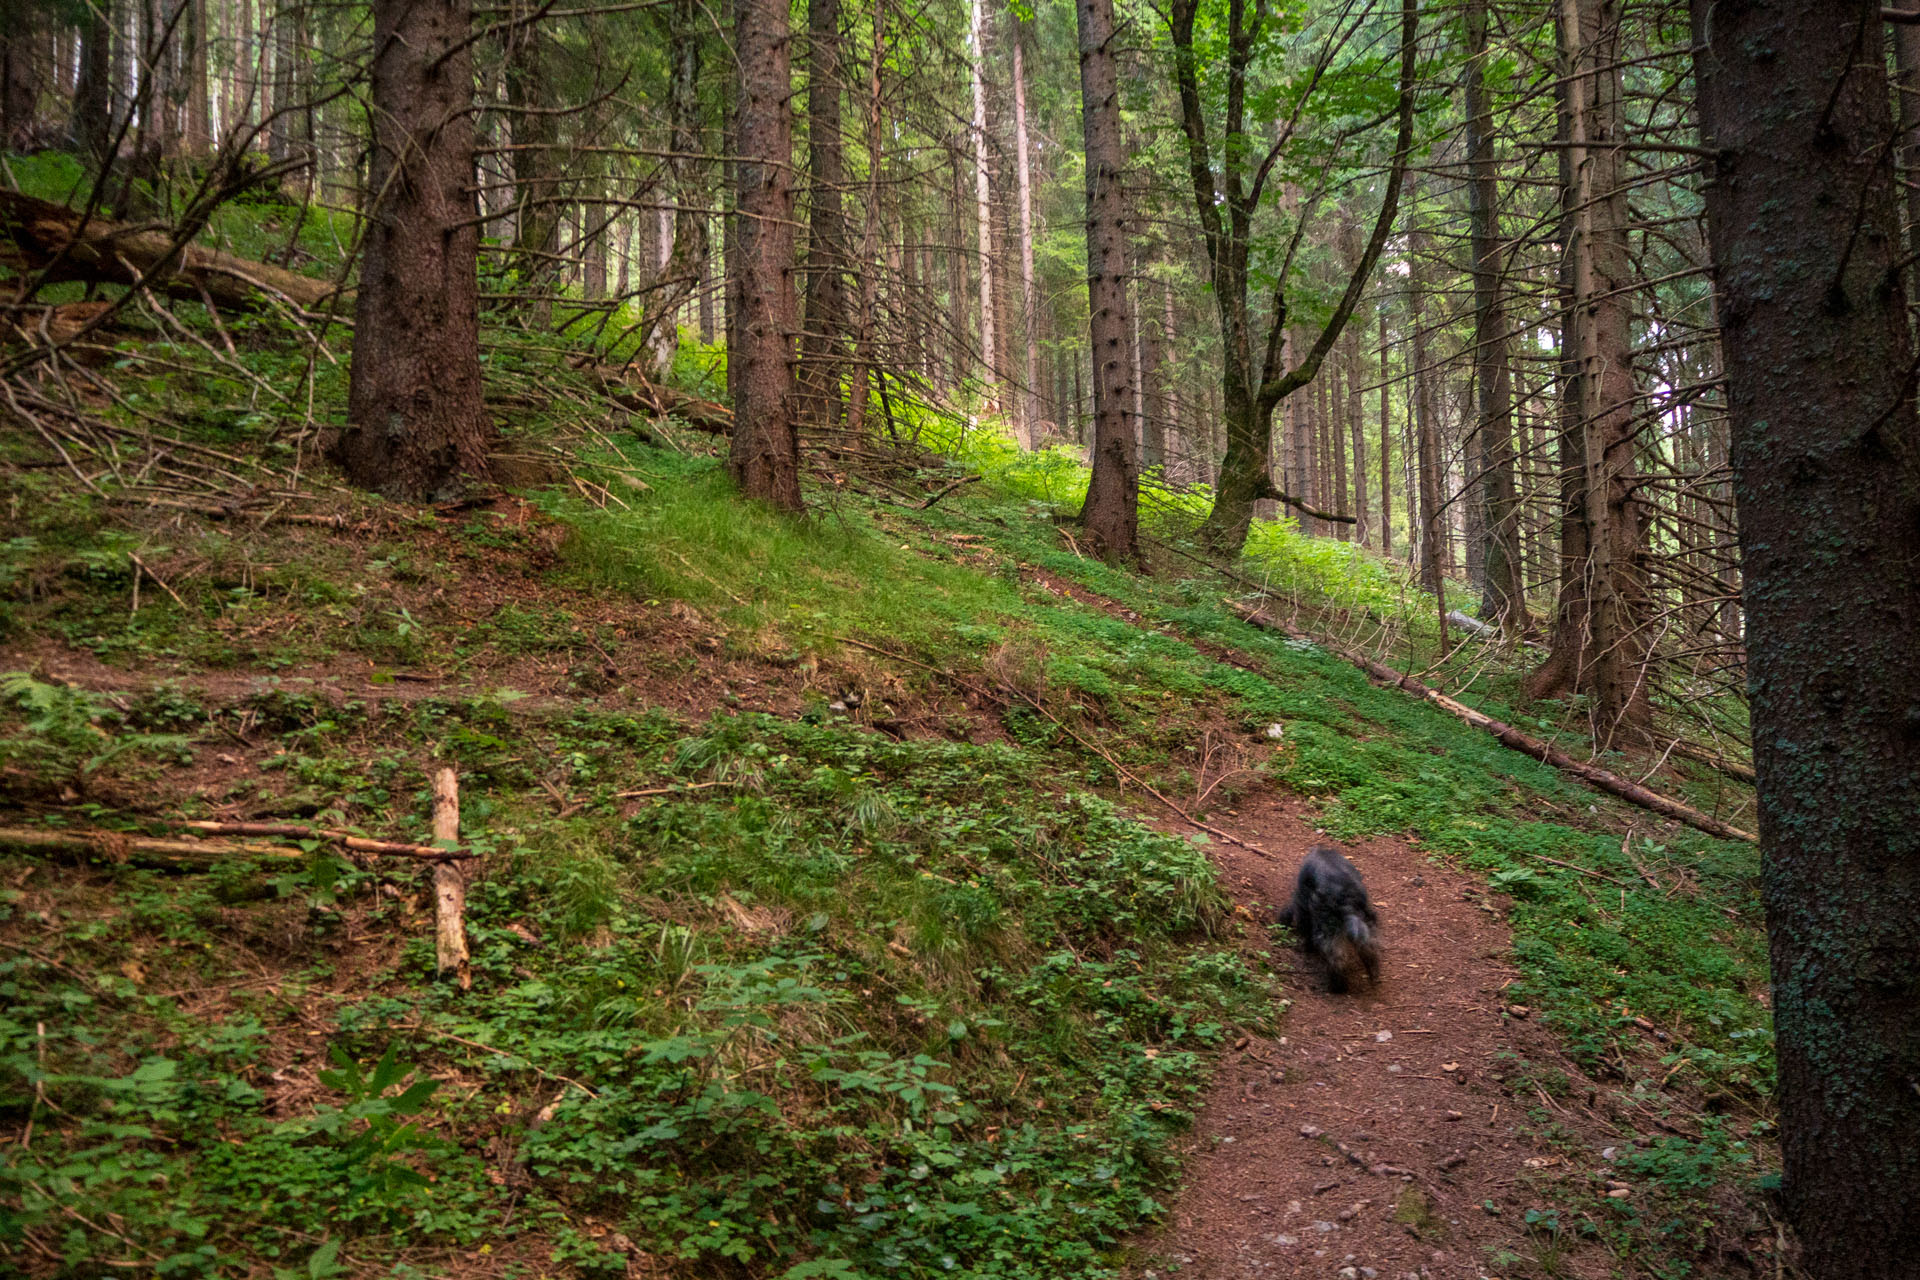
pixel 1804 220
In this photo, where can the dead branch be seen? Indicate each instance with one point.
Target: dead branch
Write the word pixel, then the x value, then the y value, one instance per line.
pixel 1592 775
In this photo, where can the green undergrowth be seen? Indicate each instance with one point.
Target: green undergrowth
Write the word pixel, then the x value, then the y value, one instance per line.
pixel 836 1006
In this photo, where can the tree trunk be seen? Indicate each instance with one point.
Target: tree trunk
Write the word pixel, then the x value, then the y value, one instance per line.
pixel 418 428
pixel 1906 61
pixel 536 164
pixel 1600 271
pixel 1386 439
pixel 765 459
pixel 983 206
pixel 1335 450
pixel 1029 307
pixel 1425 429
pixel 1804 225
pixel 1356 428
pixel 685 264
pixel 1153 381
pixel 93 92
pixel 823 341
pixel 1112 512
pixel 197 137
pixel 1503 599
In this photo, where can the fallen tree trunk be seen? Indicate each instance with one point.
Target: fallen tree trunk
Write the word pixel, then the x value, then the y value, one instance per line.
pixel 38 235
pixel 345 839
pixel 118 846
pixel 632 390
pixel 1592 775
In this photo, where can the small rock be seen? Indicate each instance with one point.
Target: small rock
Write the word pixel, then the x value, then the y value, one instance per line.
pixel 1284 1240
pixel 1449 1067
pixel 1319 1187
pixel 1345 1215
pixel 1418 882
pixel 1323 1226
pixel 1382 1037
pixel 1455 1115
pixel 1619 1193
pixel 1362 1136
pixel 1393 1068
pixel 1348 1273
pixel 1276 731
pixel 1609 1154
pixel 1311 1131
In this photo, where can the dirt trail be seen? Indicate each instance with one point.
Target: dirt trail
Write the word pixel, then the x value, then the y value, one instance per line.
pixel 1374 1131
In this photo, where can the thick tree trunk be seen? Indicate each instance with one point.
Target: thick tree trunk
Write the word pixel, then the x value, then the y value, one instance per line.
pixel 1826 464
pixel 765 460
pixel 823 341
pixel 418 428
pixel 1503 600
pixel 1111 514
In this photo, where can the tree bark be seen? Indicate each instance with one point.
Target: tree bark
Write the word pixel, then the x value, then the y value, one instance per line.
pixel 536 163
pixel 765 460
pixel 1112 511
pixel 1504 599
pixel 1029 306
pixel 1386 439
pixel 983 205
pixel 1425 430
pixel 418 428
pixel 1804 224
pixel 1617 605
pixel 823 341
pixel 93 91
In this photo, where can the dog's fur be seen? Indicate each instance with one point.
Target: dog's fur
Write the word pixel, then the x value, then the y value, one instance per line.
pixel 1333 919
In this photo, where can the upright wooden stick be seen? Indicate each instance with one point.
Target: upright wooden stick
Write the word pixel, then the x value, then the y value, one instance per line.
pixel 449 885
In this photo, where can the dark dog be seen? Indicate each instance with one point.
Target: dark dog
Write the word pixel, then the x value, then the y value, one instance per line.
pixel 1333 919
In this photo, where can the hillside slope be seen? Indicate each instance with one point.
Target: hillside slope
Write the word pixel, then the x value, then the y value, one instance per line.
pixel 822 921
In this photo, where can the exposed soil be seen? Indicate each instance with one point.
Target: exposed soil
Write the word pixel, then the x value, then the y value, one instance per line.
pixel 1376 1132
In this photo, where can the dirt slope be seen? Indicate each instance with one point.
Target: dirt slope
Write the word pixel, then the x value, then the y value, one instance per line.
pixel 1375 1132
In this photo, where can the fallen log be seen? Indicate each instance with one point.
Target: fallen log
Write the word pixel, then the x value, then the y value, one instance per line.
pixel 1592 775
pixel 39 235
pixel 634 391
pixel 345 839
pixel 118 846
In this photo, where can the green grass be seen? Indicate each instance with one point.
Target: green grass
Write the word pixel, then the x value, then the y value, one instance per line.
pixel 846 1006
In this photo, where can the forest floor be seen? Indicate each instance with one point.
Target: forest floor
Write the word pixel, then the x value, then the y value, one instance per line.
pixel 826 925
pixel 1378 1132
